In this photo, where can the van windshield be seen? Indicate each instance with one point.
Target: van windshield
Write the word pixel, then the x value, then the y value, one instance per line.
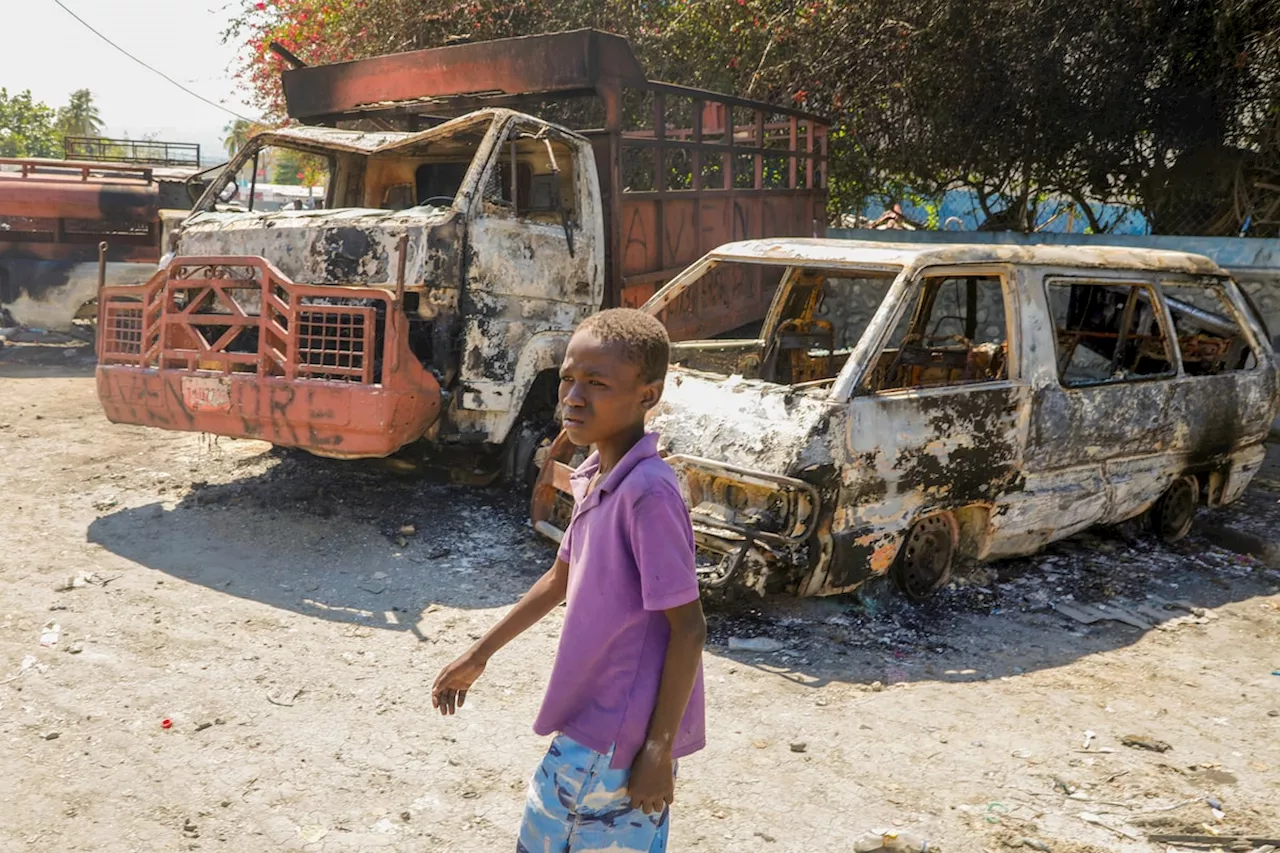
pixel 818 317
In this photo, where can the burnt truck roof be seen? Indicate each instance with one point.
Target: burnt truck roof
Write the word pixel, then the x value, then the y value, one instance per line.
pixel 877 255
pixel 381 141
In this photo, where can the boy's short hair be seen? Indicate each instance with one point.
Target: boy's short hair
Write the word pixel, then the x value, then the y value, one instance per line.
pixel 642 337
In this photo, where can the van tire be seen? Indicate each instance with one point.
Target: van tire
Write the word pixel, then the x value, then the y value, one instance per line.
pixel 923 564
pixel 1174 513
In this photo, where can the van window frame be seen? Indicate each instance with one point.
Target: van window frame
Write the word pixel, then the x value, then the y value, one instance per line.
pixel 906 298
pixel 1120 278
pixel 1233 295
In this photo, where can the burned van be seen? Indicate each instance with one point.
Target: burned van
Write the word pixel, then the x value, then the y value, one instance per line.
pixel 905 406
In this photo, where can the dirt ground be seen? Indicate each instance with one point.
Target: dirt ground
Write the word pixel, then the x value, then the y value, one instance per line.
pixel 259 601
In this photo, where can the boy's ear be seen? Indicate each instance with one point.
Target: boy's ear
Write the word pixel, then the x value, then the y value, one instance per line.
pixel 651 394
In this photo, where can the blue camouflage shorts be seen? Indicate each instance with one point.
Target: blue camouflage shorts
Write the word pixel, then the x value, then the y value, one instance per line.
pixel 577 803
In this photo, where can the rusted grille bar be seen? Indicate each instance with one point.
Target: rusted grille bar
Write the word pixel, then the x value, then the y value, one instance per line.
pixel 121 329
pixel 334 342
pixel 241 315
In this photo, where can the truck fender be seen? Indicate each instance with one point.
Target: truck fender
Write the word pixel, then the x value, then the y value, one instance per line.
pixel 543 352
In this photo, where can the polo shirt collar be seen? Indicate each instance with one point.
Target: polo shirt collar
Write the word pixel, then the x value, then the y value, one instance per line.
pixel 646 447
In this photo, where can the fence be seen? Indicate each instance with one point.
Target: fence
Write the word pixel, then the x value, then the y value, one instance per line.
pixel 103 150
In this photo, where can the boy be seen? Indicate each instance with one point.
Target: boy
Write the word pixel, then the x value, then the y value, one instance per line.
pixel 625 696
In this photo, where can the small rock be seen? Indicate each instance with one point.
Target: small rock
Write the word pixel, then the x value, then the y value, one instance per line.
pixel 374 586
pixel 51 735
pixel 764 836
pixel 202 726
pixel 75 648
pixel 876 687
pixel 1035 845
pixel 755 644
pixel 407 530
pixel 1140 742
pixel 406 816
pixel 379 576
pixel 401 541
pixel 1273 713
pixel 218 721
pixel 799 746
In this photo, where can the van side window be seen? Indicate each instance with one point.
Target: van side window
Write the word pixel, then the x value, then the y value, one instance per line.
pixel 533 179
pixel 1207 328
pixel 954 332
pixel 1107 332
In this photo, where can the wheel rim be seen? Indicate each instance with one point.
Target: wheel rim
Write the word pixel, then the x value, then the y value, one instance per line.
pixel 1177 510
pixel 925 561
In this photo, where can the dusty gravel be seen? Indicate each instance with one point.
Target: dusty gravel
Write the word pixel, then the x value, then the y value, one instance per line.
pixel 261 602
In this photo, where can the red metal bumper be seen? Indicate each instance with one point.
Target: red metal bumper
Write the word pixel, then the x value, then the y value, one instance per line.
pixel 325 369
pixel 327 418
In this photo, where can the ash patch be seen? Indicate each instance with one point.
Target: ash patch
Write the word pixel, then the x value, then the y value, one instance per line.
pixel 1113 568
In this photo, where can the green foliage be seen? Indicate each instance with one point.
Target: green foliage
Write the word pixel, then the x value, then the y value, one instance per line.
pixel 1026 102
pixel 27 127
pixel 80 116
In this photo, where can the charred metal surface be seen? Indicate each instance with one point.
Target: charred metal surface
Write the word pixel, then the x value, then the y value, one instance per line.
pixel 473 296
pixel 54 213
pixel 979 433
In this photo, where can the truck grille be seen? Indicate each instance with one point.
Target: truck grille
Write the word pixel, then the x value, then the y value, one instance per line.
pixel 241 315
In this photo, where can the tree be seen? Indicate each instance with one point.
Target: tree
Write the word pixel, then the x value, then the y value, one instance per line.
pixel 80 116
pixel 26 127
pixel 1034 105
pixel 237 134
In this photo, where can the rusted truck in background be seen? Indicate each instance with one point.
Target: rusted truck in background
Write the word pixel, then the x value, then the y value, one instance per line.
pixel 54 214
pixel 433 295
pixel 905 406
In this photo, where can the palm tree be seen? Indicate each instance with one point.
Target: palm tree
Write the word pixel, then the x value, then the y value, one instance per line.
pixel 80 116
pixel 237 134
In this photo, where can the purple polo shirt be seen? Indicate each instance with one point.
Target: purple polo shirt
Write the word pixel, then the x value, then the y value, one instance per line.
pixel 629 548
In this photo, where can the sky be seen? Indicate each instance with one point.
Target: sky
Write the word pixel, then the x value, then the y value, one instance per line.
pixel 49 52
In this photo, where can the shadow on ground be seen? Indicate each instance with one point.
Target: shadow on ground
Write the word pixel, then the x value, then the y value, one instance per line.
pixel 371 542
pixel 46 361
pixel 323 538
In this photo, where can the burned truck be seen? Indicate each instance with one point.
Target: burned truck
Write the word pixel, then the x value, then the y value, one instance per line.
pixel 432 292
pixel 55 213
pixel 905 407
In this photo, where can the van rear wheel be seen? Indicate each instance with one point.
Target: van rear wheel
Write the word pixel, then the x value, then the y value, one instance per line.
pixel 1175 511
pixel 923 565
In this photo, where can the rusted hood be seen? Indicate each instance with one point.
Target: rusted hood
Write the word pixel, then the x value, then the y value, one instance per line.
pixel 348 247
pixel 769 428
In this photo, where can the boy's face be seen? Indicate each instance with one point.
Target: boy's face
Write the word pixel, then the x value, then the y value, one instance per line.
pixel 602 393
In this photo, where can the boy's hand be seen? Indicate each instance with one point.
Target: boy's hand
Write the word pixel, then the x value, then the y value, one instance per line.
pixel 652 785
pixel 450 690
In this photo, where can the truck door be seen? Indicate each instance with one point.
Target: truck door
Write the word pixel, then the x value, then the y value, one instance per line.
pixel 534 259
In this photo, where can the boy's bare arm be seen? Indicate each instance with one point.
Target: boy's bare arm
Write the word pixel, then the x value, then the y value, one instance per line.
pixel 651 786
pixel 450 690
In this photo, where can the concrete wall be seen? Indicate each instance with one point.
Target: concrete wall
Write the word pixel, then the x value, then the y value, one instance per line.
pixel 1254 263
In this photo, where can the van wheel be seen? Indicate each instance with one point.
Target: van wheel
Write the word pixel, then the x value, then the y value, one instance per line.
pixel 1173 514
pixel 924 561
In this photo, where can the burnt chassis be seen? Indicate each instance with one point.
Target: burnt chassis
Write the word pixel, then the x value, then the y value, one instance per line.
pixel 803 559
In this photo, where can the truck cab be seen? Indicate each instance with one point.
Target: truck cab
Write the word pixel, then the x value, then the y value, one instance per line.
pixel 431 281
